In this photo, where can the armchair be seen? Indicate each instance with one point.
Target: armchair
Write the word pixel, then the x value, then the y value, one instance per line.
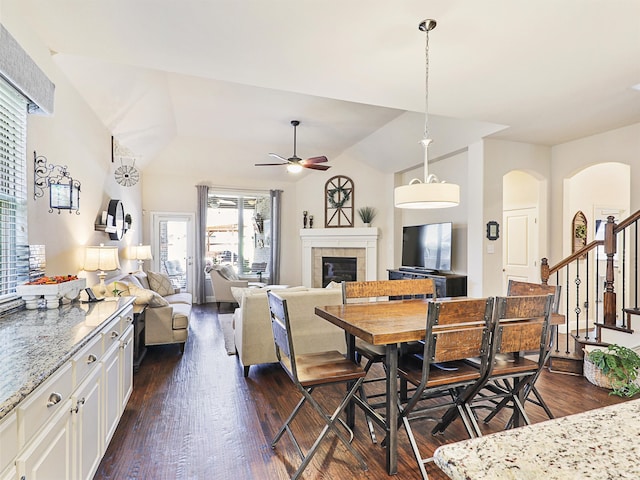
pixel 223 277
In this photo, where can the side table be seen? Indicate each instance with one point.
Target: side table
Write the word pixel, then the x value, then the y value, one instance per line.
pixel 139 348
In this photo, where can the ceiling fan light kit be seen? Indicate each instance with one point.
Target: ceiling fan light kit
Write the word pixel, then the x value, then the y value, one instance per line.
pixel 430 193
pixel 294 163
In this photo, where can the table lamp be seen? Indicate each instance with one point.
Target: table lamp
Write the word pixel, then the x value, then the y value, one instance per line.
pixel 140 253
pixel 101 259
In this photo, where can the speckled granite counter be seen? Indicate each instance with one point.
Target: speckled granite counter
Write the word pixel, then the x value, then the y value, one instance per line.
pixel 600 444
pixel 34 343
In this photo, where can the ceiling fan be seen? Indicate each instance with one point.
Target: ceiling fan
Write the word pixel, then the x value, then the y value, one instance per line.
pixel 295 164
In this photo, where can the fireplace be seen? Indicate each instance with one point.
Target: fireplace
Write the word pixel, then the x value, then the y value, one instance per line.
pixel 358 243
pixel 339 269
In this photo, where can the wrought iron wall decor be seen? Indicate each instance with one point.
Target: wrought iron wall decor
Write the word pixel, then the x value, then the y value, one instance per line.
pixel 338 207
pixel 64 191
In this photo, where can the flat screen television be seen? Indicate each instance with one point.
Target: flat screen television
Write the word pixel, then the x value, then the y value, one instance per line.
pixel 427 246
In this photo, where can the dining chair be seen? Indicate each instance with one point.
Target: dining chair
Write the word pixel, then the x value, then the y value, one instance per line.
pixel 455 362
pixel 307 372
pixel 381 290
pixel 521 329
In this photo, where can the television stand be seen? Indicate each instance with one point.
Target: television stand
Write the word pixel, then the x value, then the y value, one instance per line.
pixel 447 284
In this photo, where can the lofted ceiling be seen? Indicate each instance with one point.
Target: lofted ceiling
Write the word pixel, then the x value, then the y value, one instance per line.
pixel 229 76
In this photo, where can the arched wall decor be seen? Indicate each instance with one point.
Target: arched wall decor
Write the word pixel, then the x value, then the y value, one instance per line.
pixel 338 201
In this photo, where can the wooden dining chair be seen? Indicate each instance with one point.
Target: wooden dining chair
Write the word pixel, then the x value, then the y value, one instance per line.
pixel 455 362
pixel 309 371
pixel 521 326
pixel 380 290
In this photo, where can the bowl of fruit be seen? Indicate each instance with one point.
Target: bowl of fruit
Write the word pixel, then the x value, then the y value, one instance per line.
pixel 53 289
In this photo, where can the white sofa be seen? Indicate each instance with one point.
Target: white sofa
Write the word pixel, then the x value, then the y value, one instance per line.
pixel 167 317
pixel 252 323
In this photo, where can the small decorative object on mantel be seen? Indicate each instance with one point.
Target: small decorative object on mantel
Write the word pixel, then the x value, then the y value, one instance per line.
pixel 310 221
pixel 64 191
pixel 339 193
pixel 367 214
pixel 304 219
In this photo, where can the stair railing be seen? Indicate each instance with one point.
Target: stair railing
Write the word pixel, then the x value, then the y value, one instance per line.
pixel 580 276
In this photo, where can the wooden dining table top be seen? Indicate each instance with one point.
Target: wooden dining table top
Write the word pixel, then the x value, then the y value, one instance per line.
pixel 386 322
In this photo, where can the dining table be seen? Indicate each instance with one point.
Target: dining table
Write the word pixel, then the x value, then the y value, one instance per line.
pixel 389 324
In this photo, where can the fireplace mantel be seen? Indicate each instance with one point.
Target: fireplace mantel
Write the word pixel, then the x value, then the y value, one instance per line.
pixel 365 238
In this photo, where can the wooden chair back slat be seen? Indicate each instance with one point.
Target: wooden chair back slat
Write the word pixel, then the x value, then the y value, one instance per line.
pixel 407 288
pixel 453 345
pixel 518 288
pixel 454 312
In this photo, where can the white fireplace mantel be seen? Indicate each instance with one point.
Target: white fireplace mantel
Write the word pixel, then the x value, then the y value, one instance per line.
pixel 365 238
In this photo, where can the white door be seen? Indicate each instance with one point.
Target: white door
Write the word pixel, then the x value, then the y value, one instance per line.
pixel 520 252
pixel 173 247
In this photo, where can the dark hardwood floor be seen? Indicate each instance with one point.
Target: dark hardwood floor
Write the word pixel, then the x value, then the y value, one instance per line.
pixel 194 416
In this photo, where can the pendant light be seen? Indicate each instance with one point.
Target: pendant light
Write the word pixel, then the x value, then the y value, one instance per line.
pixel 430 193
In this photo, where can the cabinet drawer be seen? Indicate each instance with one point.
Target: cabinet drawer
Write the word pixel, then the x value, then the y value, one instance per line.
pixel 87 359
pixel 8 440
pixel 44 402
pixel 126 319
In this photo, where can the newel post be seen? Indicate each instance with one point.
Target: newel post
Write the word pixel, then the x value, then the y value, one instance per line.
pixel 609 293
pixel 544 271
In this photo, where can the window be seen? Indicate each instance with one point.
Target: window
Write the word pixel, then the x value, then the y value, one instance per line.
pixel 14 249
pixel 238 231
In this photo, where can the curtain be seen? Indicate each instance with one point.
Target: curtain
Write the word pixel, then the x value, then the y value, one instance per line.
pixel 276 212
pixel 200 282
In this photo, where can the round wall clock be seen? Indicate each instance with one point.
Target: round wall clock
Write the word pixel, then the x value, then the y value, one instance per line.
pixel 338 198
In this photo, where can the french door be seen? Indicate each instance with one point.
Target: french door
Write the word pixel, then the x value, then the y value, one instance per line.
pixel 173 247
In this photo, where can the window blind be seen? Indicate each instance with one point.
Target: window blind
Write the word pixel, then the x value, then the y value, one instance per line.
pixel 14 249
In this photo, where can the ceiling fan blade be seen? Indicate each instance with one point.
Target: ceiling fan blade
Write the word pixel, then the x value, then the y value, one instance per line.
pixel 320 159
pixel 275 155
pixel 314 166
pixel 268 164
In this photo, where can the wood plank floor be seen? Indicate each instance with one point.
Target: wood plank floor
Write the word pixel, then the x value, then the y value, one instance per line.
pixel 194 416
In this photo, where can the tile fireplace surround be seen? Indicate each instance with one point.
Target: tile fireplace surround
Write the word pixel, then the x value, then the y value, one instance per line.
pixel 361 243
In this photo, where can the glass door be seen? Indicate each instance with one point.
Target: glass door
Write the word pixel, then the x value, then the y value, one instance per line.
pixel 173 247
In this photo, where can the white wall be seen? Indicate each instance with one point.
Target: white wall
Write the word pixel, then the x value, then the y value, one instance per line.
pixel 75 137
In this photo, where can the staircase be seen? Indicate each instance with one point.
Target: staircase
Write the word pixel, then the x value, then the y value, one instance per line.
pixel 596 312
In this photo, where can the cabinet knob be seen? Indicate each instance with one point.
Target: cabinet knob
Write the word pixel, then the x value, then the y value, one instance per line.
pixel 91 358
pixel 54 399
pixel 114 335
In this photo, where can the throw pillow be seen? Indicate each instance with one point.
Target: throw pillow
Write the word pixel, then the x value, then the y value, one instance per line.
pixel 132 280
pixel 229 273
pixel 147 297
pixel 160 283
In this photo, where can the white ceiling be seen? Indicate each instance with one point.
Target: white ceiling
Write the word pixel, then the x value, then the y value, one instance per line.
pixel 230 75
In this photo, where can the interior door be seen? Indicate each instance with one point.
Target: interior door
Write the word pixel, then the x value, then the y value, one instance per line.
pixel 173 247
pixel 520 252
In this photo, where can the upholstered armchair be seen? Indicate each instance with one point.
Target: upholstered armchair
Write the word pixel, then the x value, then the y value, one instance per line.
pixel 223 277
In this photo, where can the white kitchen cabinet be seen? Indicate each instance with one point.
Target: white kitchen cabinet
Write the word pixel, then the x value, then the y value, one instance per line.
pixel 62 429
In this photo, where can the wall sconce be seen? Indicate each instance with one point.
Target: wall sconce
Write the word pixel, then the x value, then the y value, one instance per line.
pixel 64 191
pixel 101 259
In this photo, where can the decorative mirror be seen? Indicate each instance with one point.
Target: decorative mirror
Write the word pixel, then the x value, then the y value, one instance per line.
pixel 338 196
pixel 115 220
pixel 578 231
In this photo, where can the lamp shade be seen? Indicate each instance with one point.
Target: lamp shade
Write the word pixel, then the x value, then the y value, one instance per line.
pixel 140 252
pixel 101 258
pixel 427 195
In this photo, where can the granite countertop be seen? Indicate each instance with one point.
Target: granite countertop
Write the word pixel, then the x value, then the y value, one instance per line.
pixel 35 343
pixel 599 444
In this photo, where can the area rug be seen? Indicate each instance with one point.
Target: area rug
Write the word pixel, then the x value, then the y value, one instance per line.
pixel 226 324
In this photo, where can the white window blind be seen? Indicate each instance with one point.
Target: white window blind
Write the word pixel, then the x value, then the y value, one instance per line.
pixel 14 249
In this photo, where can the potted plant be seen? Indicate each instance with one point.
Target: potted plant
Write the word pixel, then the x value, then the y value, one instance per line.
pixel 367 214
pixel 619 366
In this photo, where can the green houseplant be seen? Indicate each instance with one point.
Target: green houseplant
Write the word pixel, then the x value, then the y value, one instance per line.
pixel 620 366
pixel 367 214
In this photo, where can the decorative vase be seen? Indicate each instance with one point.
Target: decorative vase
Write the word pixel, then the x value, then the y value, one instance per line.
pixel 367 224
